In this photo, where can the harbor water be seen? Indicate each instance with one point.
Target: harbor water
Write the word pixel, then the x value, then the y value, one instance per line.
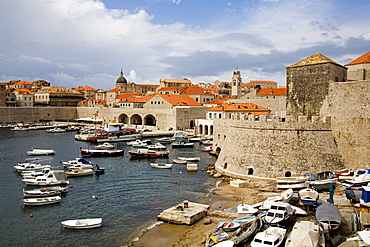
pixel 130 193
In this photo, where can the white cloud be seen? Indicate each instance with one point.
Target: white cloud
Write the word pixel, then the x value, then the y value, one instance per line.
pixel 24 58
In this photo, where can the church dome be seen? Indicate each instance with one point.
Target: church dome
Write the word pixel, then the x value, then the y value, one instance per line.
pixel 121 79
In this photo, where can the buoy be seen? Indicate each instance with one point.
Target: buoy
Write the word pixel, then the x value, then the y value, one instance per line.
pixel 71 186
pixel 95 197
pixel 31 215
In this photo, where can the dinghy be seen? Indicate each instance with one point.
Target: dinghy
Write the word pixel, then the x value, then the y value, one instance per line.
pixel 82 223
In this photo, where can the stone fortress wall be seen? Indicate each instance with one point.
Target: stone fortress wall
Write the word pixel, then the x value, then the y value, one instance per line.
pixel 274 148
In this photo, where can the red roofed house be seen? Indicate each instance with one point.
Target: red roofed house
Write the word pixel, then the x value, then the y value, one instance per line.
pixel 258 84
pixel 88 92
pixel 134 101
pixel 174 83
pixel 359 69
pixel 167 101
pixel 198 94
pixel 111 96
pixel 228 110
pixel 23 97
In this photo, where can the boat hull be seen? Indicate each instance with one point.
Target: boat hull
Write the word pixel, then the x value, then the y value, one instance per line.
pixel 101 153
pixel 41 201
pixel 82 223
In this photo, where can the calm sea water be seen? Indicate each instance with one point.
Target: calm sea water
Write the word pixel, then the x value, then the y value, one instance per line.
pixel 131 193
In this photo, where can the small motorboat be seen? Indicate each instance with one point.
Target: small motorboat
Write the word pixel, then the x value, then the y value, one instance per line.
pixel 56 130
pixel 22 167
pixel 156 146
pixel 41 192
pixel 216 237
pixel 80 166
pixel 242 209
pixel 182 144
pixel 328 216
pixel 36 151
pixel 101 152
pixel 308 196
pixel 292 182
pixel 82 223
pixel 77 172
pixel 105 145
pixel 228 226
pixel 272 236
pixel 246 231
pixel 146 153
pixel 177 161
pixel 207 149
pixel 161 165
pixel 99 170
pixel 165 140
pixel 189 158
pixel 41 201
pixel 77 160
pixel 279 213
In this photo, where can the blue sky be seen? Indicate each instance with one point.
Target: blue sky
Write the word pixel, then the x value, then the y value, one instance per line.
pixel 75 43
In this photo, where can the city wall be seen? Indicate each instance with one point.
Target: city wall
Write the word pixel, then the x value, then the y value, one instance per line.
pixel 36 114
pixel 273 148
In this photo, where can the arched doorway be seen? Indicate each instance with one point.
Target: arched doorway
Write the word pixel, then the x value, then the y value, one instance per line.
pixel 192 124
pixel 201 129
pixel 136 120
pixel 250 171
pixel 149 120
pixel 288 174
pixel 123 118
pixel 211 130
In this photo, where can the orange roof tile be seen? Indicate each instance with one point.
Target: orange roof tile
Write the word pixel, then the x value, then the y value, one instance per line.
pixel 24 82
pixel 238 107
pixel 23 90
pixel 115 90
pixel 176 80
pixel 194 90
pixel 86 88
pixel 126 95
pixel 363 59
pixel 138 99
pixel 317 58
pixel 171 89
pixel 272 91
pixel 179 100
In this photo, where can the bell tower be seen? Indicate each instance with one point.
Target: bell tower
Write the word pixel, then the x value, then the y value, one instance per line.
pixel 236 89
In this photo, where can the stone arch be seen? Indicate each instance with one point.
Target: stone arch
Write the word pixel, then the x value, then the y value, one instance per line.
pixel 250 171
pixel 206 130
pixel 192 124
pixel 201 129
pixel 288 174
pixel 211 130
pixel 150 120
pixel 123 118
pixel 136 119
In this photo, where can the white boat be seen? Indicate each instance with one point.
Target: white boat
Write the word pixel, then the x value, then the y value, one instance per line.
pixel 76 161
pixel 207 142
pixel 56 130
pixel 165 140
pixel 82 223
pixel 182 144
pixel 242 209
pixel 18 128
pixel 177 161
pixel 271 237
pixel 41 201
pixel 35 173
pixel 116 133
pixel 55 177
pixel 292 182
pixel 141 143
pixel 279 213
pixel 207 149
pixel 22 167
pixel 195 139
pixel 80 166
pixel 47 191
pixel 156 146
pixel 308 196
pixel 304 233
pixel 77 172
pixel 161 165
pixel 36 151
pixel 285 196
pixel 228 226
pixel 105 145
pixel 188 158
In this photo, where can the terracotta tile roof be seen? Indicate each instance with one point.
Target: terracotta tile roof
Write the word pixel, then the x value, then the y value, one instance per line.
pixel 272 91
pixel 239 107
pixel 24 82
pixel 317 58
pixel 176 81
pixel 195 90
pixel 86 88
pixel 115 90
pixel 254 82
pixel 126 95
pixel 363 59
pixel 179 100
pixel 23 90
pixel 137 99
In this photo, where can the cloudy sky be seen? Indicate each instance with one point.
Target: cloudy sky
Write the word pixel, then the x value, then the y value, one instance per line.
pixel 75 43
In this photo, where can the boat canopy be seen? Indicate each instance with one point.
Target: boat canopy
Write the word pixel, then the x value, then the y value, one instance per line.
pixel 327 212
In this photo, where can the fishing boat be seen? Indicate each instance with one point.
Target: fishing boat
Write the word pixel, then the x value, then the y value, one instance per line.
pixel 165 140
pixel 328 216
pixel 22 167
pixel 292 182
pixel 322 181
pixel 35 173
pixel 56 130
pixel 161 165
pixel 242 209
pixel 101 152
pixel 207 149
pixel 308 196
pixel 228 226
pixel 82 223
pixel 47 191
pixel 279 213
pixel 182 144
pixel 115 133
pixel 272 237
pixel 246 231
pixel 146 153
pixel 41 201
pixel 76 161
pixel 189 158
pixel 305 233
pixel 37 151
pixel 77 172
pixel 216 237
pixel 156 146
pixel 54 177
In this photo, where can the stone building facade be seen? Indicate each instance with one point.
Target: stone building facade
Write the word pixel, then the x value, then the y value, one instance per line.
pixel 131 87
pixel 308 84
pixel 359 69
